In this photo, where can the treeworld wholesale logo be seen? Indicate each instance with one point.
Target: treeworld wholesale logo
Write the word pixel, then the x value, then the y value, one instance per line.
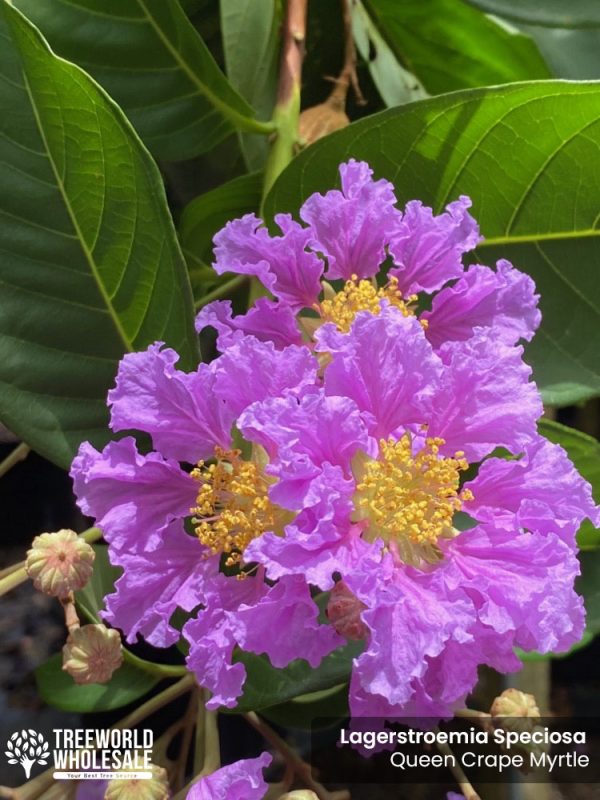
pixel 84 754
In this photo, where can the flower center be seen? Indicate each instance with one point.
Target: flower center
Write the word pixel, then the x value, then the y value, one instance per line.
pixel 407 499
pixel 233 505
pixel 362 295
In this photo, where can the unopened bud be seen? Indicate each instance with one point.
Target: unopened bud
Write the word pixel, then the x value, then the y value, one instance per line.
pixel 514 703
pixel 344 610
pixel 318 121
pixel 157 788
pixel 59 563
pixel 299 794
pixel 92 653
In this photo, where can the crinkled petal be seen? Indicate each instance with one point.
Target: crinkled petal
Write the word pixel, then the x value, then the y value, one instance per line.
pixel 542 492
pixel 242 780
pixel 428 249
pixel 386 365
pixel 179 410
pixel 155 583
pixel 520 584
pixel 132 497
pixel 281 263
pixel 410 620
pixel 267 320
pixel 280 621
pixel 251 371
pixel 312 430
pixel 353 227
pixel 504 300
pixel 486 399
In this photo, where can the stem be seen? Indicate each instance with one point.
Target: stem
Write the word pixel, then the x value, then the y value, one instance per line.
pixel 13 579
pixel 161 670
pixel 19 453
pixel 221 290
pixel 287 107
pixel 71 616
pixel 459 776
pixel 292 759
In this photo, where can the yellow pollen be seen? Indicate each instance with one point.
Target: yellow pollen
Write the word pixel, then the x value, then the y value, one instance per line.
pixel 407 499
pixel 233 506
pixel 363 296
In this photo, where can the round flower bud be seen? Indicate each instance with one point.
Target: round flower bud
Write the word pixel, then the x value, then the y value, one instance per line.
pixel 92 653
pixel 514 703
pixel 157 788
pixel 343 611
pixel 299 794
pixel 59 563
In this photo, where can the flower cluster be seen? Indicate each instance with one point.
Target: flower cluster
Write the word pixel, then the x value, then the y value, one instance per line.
pixel 370 430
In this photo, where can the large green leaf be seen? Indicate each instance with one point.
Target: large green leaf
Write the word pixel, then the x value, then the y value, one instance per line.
pixel 528 155
pixel 584 452
pixel 449 45
pixel 58 689
pixel 152 61
pixel 90 266
pixel 554 13
pixel 207 214
pixel 250 30
pixel 266 686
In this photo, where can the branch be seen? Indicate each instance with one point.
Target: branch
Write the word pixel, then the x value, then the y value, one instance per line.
pixel 287 107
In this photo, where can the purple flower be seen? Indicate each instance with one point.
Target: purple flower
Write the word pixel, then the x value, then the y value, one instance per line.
pixel 241 780
pixel 148 503
pixel 353 425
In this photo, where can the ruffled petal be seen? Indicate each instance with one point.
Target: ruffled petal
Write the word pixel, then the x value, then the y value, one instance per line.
pixel 179 410
pixel 155 583
pixel 281 263
pixel 132 497
pixel 251 371
pixel 267 320
pixel 522 585
pixel 281 621
pixel 353 227
pixel 486 399
pixel 428 250
pixel 504 300
pixel 242 780
pixel 386 365
pixel 541 492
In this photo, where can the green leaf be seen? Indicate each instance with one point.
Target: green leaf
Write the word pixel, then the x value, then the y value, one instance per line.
pixel 588 585
pixel 302 712
pixel 90 266
pixel 267 686
pixel 58 689
pixel 90 599
pixel 572 54
pixel 152 61
pixel 510 148
pixel 553 13
pixel 584 452
pixel 449 45
pixel 250 31
pixel 209 212
pixel 394 83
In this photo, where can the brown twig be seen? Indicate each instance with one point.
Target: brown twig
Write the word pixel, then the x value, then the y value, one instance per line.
pixel 347 76
pixel 292 759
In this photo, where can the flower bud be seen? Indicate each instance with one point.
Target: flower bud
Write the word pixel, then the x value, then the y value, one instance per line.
pixel 299 794
pixel 343 611
pixel 59 563
pixel 157 788
pixel 514 703
pixel 92 653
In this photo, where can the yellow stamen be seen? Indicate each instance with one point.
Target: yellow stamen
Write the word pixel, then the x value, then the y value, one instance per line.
pixel 362 295
pixel 233 506
pixel 407 499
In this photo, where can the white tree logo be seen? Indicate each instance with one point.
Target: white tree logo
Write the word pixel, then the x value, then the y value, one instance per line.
pixel 27 748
